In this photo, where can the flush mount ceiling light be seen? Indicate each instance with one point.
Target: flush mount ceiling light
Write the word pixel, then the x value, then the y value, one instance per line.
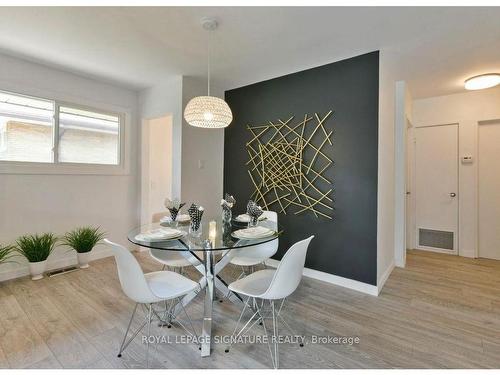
pixel 483 81
pixel 208 111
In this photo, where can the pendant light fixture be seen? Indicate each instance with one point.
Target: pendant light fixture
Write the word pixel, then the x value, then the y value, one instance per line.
pixel 208 111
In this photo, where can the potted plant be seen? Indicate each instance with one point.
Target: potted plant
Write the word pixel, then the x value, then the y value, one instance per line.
pixel 36 249
pixel 6 252
pixel 83 240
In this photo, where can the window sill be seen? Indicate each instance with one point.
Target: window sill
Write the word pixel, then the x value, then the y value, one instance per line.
pixel 11 167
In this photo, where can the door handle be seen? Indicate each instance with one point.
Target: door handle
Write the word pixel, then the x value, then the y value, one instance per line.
pixel 453 195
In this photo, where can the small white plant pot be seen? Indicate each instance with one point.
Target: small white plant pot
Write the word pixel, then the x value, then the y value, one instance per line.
pixel 37 269
pixel 83 259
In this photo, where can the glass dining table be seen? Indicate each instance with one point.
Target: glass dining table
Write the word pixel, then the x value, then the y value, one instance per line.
pixel 209 251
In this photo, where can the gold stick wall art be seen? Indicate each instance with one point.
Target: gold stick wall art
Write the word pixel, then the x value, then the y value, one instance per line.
pixel 287 162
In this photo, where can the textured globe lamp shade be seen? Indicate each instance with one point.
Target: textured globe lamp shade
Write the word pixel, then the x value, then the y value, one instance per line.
pixel 484 81
pixel 208 112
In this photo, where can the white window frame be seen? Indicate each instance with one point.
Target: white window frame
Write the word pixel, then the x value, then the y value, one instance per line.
pixel 57 167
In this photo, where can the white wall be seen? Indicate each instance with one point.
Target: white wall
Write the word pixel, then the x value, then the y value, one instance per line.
pixel 160 162
pixel 466 110
pixel 204 147
pixel 386 182
pixel 32 203
pixel 191 146
pixel 165 99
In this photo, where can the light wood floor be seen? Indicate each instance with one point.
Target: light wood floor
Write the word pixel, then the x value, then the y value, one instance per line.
pixel 440 312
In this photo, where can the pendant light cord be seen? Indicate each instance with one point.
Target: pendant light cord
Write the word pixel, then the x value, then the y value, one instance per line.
pixel 208 64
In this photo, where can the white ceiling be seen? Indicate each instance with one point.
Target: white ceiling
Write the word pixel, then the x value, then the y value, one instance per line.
pixel 435 48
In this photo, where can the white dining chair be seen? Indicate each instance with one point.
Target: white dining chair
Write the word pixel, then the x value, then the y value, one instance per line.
pixel 172 260
pixel 150 289
pixel 248 257
pixel 273 286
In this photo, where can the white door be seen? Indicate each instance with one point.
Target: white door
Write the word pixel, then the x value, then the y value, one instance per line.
pixel 489 190
pixel 410 170
pixel 436 188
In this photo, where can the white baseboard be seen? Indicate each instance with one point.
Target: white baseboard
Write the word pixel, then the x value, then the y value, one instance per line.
pixel 400 260
pixel 437 250
pixel 468 253
pixel 333 279
pixel 385 276
pixel 52 264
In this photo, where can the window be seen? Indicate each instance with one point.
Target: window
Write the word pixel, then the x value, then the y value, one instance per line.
pixel 88 137
pixel 46 131
pixel 26 128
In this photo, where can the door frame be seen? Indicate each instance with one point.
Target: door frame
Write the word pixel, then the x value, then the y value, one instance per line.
pixel 145 212
pixel 456 239
pixel 402 116
pixel 410 187
pixel 478 208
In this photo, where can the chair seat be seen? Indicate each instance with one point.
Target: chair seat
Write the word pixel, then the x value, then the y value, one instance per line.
pixel 172 258
pixel 166 284
pixel 253 285
pixel 246 261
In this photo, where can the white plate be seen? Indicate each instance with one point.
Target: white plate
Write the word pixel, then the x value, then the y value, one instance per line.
pixel 245 218
pixel 160 234
pixel 180 219
pixel 183 218
pixel 253 233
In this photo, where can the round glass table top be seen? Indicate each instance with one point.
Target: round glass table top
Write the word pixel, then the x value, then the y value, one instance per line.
pixel 206 238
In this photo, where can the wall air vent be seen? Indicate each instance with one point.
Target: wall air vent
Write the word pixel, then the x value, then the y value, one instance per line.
pixel 435 238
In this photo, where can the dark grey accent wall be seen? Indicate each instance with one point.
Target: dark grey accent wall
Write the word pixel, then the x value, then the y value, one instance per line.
pixel 347 245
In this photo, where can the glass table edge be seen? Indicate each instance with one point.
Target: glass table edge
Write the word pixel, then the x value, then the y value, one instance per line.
pixel 152 245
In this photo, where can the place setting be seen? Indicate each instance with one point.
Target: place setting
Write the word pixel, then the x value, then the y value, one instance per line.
pixel 245 218
pixel 181 219
pixel 253 233
pixel 160 234
pixel 252 217
pixel 175 216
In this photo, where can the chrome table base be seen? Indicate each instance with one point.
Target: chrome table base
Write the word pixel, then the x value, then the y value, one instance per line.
pixel 206 333
pixel 210 281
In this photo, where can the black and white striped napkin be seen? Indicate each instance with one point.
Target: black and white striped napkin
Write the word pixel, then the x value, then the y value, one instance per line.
pixel 227 203
pixel 254 211
pixel 230 199
pixel 195 213
pixel 173 206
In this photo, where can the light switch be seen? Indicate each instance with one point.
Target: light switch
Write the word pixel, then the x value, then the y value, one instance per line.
pixel 467 159
pixel 201 164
